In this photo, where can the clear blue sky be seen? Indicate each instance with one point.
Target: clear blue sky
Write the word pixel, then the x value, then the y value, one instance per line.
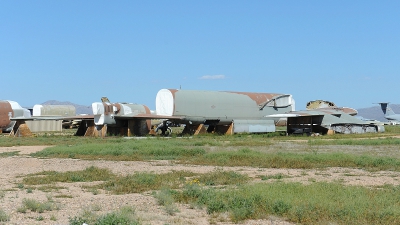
pixel 345 51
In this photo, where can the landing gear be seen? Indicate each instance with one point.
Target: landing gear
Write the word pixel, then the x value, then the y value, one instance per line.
pixel 163 129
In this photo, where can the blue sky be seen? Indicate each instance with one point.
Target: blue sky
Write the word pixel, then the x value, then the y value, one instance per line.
pixel 347 52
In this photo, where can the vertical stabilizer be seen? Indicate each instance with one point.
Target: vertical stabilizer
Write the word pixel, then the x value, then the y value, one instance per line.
pixel 386 109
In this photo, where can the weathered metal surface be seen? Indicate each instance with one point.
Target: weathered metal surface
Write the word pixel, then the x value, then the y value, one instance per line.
pixel 5 113
pixel 198 107
pixel 44 125
pixel 53 110
pixel 279 101
pixel 316 104
pixel 356 128
pixel 389 113
pixel 121 118
pixel 323 104
pixel 253 126
pixel 327 120
pixel 259 98
pixel 9 110
pixel 105 113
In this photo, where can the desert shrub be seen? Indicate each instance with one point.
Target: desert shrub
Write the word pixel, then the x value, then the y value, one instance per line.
pixel 3 216
pixel 165 198
pixel 124 216
pixel 36 206
pixel 89 174
pixel 317 203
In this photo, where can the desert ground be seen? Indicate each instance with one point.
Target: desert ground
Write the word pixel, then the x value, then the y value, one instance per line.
pixel 14 168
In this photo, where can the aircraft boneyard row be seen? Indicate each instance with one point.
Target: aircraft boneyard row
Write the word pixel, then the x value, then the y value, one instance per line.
pixel 220 112
pixel 225 112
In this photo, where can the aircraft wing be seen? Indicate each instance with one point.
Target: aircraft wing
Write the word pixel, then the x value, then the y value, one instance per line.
pixel 314 112
pixel 283 115
pixel 78 117
pixel 147 116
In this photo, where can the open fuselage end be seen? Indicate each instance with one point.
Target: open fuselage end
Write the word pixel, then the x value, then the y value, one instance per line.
pixel 121 117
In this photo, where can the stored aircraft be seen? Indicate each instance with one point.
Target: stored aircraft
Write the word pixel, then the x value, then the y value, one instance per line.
pixel 8 110
pixel 230 112
pixel 198 111
pixel 223 111
pixel 324 117
pixel 120 119
pixel 389 114
pixel 13 117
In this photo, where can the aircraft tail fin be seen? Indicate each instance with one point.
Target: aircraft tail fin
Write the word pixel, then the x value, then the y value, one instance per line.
pixel 386 109
pixel 105 99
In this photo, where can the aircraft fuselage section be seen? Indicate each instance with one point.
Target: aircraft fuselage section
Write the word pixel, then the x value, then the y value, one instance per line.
pixel 199 106
pixel 6 112
pixel 105 113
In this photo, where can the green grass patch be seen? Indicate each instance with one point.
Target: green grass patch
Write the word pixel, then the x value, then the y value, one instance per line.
pixel 274 176
pixel 134 183
pixel 8 154
pixel 4 217
pixel 190 153
pixel 36 206
pixel 166 199
pixel 47 188
pixel 124 150
pixel 247 157
pixel 143 181
pixel 88 175
pixel 392 129
pixel 317 203
pixel 67 138
pixel 63 196
pixel 124 216
pixel 220 177
pixel 370 141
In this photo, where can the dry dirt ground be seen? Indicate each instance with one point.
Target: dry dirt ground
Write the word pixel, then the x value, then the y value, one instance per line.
pixel 12 170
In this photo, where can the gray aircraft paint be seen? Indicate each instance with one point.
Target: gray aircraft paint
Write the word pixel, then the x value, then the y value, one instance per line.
pixel 53 110
pixel 197 107
pixel 321 120
pixel 389 114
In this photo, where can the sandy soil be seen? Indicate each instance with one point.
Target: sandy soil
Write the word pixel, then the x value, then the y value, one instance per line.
pixel 12 170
